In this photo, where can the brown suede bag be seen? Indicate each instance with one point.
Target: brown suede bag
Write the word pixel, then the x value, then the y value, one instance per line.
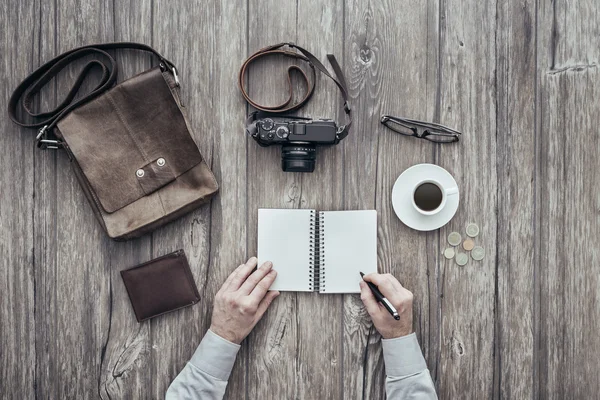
pixel 129 145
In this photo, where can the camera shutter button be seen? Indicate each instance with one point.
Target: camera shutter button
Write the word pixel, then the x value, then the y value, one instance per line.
pixel 283 132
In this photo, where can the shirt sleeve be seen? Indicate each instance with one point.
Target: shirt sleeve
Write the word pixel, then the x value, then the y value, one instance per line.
pixel 205 375
pixel 406 370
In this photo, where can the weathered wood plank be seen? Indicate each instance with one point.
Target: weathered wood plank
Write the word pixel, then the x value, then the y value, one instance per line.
pixel 127 351
pixel 393 69
pixel 515 346
pixel 17 280
pixel 569 222
pixel 78 317
pixel 205 43
pixel 468 102
pixel 45 212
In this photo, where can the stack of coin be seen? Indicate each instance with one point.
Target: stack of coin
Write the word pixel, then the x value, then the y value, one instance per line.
pixel 455 238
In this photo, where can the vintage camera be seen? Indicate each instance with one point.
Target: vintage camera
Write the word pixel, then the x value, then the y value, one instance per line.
pixel 298 140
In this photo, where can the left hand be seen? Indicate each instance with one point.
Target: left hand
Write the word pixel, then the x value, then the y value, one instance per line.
pixel 242 300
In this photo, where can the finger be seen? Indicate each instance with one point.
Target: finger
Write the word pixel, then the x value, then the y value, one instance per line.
pixel 250 283
pixel 262 287
pixel 382 282
pixel 368 299
pixel 265 303
pixel 230 278
pixel 242 274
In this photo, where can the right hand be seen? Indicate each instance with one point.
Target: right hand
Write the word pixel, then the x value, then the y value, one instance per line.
pixel 401 299
pixel 242 300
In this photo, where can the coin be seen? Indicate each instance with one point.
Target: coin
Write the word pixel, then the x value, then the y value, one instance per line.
pixel 449 253
pixel 478 253
pixel 454 238
pixel 468 245
pixel 461 259
pixel 472 230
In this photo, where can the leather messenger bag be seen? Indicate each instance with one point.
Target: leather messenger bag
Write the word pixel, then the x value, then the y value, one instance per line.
pixel 129 145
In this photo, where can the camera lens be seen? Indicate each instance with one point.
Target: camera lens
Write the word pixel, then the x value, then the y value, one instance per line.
pixel 298 157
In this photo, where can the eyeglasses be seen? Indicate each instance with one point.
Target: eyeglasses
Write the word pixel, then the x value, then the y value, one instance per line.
pixel 423 130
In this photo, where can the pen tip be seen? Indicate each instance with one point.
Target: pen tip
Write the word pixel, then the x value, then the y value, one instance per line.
pixel 396 316
pixel 361 274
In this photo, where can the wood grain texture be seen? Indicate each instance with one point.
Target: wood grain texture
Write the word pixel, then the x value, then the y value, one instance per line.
pixel 468 102
pixel 127 348
pixel 288 331
pixel 80 311
pixel 272 368
pixel 569 199
pixel 517 154
pixel 17 279
pixel 382 37
pixel 519 78
pixel 213 236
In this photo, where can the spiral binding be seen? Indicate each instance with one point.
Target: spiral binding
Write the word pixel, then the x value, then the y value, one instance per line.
pixel 314 231
pixel 317 253
pixel 321 254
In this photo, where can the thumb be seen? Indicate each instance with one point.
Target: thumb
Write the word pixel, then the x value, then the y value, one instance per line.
pixel 266 302
pixel 368 299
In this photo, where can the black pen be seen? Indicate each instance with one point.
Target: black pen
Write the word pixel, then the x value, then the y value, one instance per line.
pixel 380 298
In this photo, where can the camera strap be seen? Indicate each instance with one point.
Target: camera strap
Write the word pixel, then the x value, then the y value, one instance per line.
pixel 287 106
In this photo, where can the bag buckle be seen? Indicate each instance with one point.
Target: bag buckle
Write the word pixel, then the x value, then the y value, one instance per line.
pixel 174 70
pixel 44 143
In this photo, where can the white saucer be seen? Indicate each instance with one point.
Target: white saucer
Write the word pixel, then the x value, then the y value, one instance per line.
pixel 403 191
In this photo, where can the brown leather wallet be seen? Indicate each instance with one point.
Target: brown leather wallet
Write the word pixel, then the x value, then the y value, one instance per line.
pixel 161 285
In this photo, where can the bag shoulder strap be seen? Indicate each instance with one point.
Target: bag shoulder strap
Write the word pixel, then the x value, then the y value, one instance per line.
pixel 23 94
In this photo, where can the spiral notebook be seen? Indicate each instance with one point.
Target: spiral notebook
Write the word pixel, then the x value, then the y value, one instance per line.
pixel 318 251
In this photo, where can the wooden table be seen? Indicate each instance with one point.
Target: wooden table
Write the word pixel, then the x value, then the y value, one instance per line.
pixel 519 78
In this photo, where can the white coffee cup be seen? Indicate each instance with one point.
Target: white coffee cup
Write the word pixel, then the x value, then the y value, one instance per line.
pixel 445 192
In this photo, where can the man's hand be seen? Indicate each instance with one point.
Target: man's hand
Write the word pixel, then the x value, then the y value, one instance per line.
pixel 401 299
pixel 242 300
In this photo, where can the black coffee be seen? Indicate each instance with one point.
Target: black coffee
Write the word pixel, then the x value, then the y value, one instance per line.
pixel 428 196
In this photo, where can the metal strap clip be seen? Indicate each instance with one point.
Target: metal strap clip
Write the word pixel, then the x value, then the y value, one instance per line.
pixel 175 76
pixel 44 143
pixel 347 108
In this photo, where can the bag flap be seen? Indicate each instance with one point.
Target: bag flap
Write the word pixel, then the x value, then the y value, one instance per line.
pixel 130 141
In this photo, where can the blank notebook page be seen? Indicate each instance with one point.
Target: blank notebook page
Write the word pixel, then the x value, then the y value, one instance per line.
pixel 284 239
pixel 350 246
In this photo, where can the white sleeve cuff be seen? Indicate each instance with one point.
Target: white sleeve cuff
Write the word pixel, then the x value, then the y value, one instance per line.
pixel 215 356
pixel 403 356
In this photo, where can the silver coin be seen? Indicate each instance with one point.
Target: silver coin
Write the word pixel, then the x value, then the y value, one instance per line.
pixel 462 258
pixel 472 230
pixel 478 253
pixel 449 253
pixel 454 238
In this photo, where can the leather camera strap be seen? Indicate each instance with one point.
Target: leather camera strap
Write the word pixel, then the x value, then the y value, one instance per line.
pixel 313 62
pixel 24 93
